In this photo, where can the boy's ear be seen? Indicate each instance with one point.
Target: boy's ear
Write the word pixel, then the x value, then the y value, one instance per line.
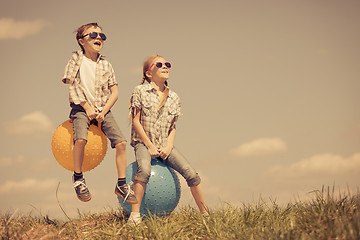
pixel 81 41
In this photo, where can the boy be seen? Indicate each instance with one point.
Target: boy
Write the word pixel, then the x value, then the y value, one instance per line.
pixel 91 78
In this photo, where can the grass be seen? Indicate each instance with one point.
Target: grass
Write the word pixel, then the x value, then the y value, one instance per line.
pixel 326 216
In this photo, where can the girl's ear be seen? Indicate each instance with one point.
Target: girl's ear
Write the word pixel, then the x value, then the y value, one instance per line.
pixel 148 74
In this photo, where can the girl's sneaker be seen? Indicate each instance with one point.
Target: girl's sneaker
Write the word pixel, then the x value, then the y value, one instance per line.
pixel 205 215
pixel 134 219
pixel 81 190
pixel 126 193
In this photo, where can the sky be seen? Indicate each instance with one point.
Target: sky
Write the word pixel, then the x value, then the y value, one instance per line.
pixel 269 93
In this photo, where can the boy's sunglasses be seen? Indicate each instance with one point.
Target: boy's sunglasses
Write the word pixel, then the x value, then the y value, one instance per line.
pixel 94 35
pixel 160 64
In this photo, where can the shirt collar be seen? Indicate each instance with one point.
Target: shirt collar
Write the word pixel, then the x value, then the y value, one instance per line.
pixel 149 86
pixel 80 53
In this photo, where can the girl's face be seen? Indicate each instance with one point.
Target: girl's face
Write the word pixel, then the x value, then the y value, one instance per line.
pixel 160 71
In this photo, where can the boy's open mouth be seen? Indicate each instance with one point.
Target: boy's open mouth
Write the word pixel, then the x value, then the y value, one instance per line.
pixel 97 43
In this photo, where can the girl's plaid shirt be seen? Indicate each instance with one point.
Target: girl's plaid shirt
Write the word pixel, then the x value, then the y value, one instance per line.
pixel 104 79
pixel 157 122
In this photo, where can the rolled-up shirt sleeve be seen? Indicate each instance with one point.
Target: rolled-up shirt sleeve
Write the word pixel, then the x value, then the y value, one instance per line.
pixel 135 99
pixel 68 71
pixel 111 81
pixel 76 95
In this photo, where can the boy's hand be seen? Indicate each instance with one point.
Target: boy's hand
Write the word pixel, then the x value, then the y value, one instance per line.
pixel 91 113
pixel 100 117
pixel 165 152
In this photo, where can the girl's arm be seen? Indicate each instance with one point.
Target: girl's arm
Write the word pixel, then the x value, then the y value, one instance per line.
pixel 111 101
pixel 165 151
pixel 142 134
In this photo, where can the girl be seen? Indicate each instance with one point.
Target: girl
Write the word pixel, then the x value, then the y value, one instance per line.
pixel 154 111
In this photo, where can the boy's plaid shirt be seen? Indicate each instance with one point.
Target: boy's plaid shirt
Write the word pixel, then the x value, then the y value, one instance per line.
pixel 104 79
pixel 156 122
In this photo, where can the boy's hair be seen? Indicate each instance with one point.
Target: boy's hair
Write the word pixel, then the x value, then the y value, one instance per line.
pixel 80 31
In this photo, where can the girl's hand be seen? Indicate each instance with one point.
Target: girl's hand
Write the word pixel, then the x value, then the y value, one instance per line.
pixel 100 117
pixel 153 151
pixel 165 152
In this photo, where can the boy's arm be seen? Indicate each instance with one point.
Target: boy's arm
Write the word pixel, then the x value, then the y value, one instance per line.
pixel 70 69
pixel 90 111
pixel 142 134
pixel 110 102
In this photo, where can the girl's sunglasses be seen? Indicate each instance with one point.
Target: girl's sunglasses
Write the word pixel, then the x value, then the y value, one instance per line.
pixel 94 35
pixel 160 64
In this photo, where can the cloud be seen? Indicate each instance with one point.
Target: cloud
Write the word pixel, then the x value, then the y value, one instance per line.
pixel 298 179
pixel 33 124
pixel 11 29
pixel 137 71
pixel 259 147
pixel 27 185
pixel 8 161
pixel 319 165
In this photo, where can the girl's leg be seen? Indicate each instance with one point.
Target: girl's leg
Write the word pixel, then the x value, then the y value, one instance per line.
pixel 198 195
pixel 139 190
pixel 178 162
pixel 143 160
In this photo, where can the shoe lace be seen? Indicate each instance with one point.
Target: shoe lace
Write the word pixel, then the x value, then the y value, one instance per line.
pixel 129 190
pixel 79 183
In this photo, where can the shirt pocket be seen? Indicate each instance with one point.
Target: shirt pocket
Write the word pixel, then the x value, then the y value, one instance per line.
pixel 171 114
pixel 146 108
pixel 104 80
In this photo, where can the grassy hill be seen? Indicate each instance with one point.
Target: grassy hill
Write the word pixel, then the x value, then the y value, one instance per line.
pixel 326 216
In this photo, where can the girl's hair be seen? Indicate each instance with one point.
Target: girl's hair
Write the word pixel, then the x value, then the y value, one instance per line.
pixel 146 66
pixel 80 31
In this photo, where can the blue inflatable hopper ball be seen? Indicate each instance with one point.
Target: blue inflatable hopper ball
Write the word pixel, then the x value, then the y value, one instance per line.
pixel 162 192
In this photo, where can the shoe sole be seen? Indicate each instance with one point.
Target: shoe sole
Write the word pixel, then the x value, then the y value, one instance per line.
pixel 128 201
pixel 84 200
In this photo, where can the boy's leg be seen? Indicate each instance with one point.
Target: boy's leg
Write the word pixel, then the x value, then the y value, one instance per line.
pixel 118 141
pixel 78 154
pixel 178 162
pixel 121 159
pixel 122 189
pixel 80 127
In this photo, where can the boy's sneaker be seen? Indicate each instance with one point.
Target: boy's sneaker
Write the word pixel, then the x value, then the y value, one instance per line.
pixel 82 190
pixel 134 219
pixel 126 193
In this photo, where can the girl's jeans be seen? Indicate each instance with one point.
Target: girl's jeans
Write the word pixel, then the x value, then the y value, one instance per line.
pixel 175 160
